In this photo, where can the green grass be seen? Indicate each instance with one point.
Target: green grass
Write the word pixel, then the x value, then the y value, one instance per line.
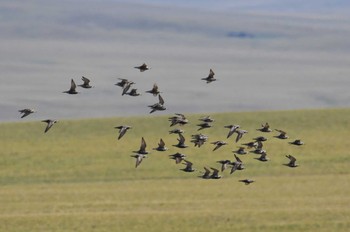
pixel 79 177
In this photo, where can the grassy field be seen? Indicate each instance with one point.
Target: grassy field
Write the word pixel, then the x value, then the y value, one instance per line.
pixel 79 177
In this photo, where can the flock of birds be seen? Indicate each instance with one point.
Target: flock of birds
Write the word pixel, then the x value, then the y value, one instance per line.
pixel 198 139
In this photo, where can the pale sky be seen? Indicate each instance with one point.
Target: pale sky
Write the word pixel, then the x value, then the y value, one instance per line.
pixel 267 55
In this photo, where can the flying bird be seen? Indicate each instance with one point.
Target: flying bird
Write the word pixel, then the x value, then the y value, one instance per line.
pixel 207 119
pixel 224 164
pixel 215 174
pixel 142 149
pixel 143 67
pixel 73 86
pixel 26 112
pixel 178 157
pixel 178 119
pixel 50 123
pixel 241 151
pixel 133 93
pixel 154 90
pixel 218 144
pixel 188 167
pixel 282 135
pixel 204 125
pixel 297 142
pixel 232 128
pixel 161 146
pixel 206 174
pixel 127 87
pixel 122 82
pixel 292 161
pixel 265 128
pixel 122 130
pixel 86 83
pixel 139 158
pixel 247 181
pixel 158 106
pixel 240 134
pixel 181 143
pixel 263 157
pixel 210 78
pixel 176 131
pixel 260 138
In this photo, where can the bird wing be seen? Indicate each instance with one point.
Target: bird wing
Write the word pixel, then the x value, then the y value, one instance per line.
pixel 122 132
pixel 73 86
pixel 161 100
pixel 161 143
pixel 143 145
pixel 86 80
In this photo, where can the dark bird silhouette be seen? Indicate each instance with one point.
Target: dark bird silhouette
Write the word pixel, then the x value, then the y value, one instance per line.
pixel 251 144
pixel 259 148
pixel 176 131
pixel 178 119
pixel 126 87
pixel 86 83
pixel 237 165
pixel 215 174
pixel 247 181
pixel 143 67
pixel 204 125
pixel 161 146
pixel 292 161
pixel 241 151
pixel 50 123
pixel 232 128
pixel 207 119
pixel 218 144
pixel 139 158
pixel 122 82
pixel 297 142
pixel 260 138
pixel 133 93
pixel 142 149
pixel 26 112
pixel 178 157
pixel 181 143
pixel 210 78
pixel 240 134
pixel 122 130
pixel 154 90
pixel 199 139
pixel 206 174
pixel 72 90
pixel 263 157
pixel 282 135
pixel 265 128
pixel 188 167
pixel 158 106
pixel 224 164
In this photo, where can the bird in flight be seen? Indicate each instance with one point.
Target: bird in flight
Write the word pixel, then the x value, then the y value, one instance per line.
pixel 26 112
pixel 72 90
pixel 122 130
pixel 86 84
pixel 50 123
pixel 158 106
pixel 143 67
pixel 210 78
pixel 154 90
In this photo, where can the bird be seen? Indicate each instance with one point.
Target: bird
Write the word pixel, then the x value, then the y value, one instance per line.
pixel 133 93
pixel 158 106
pixel 139 158
pixel 204 125
pixel 181 143
pixel 260 138
pixel 251 144
pixel 297 142
pixel 176 131
pixel 263 157
pixel 265 128
pixel 240 151
pixel 215 174
pixel 142 149
pixel 143 67
pixel 26 112
pixel 240 134
pixel 258 148
pixel 122 82
pixel 218 144
pixel 161 146
pixel 72 90
pixel 247 181
pixel 178 157
pixel 178 119
pixel 199 139
pixel 127 87
pixel 154 90
pixel 188 167
pixel 210 78
pixel 50 123
pixel 86 83
pixel 292 161
pixel 236 165
pixel 207 119
pixel 206 174
pixel 224 164
pixel 282 135
pixel 232 128
pixel 122 130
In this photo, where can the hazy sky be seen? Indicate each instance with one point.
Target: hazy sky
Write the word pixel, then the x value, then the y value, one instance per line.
pixel 267 55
